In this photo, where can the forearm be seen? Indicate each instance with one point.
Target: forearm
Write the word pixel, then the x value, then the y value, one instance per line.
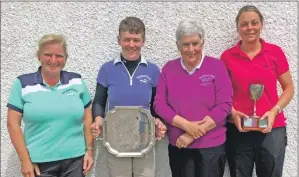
pixel 18 141
pixel 87 131
pixel 162 110
pixel 153 112
pixel 285 98
pixel 179 122
pixel 209 124
pixel 206 124
pixel 160 104
pixel 97 110
pixel 223 97
pixel 99 101
pixel 220 112
pixel 287 85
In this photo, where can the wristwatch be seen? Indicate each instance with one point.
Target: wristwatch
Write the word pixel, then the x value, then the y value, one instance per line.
pixel 279 108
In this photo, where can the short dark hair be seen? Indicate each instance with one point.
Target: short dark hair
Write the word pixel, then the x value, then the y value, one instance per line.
pixel 132 25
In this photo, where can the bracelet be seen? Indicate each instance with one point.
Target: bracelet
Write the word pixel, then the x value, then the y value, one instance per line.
pixel 279 108
pixel 89 148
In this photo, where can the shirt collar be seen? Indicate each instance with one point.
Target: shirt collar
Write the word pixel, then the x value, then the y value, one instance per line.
pixel 118 60
pixel 196 68
pixel 237 48
pixel 39 78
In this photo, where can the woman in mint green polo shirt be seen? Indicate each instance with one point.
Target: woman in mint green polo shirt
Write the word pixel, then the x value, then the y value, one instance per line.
pixel 54 105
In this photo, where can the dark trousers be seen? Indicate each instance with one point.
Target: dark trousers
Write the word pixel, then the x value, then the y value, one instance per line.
pixel 206 162
pixel 267 151
pixel 62 168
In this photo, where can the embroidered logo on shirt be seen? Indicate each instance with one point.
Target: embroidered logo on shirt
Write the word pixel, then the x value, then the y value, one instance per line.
pixel 144 79
pixel 70 92
pixel 206 79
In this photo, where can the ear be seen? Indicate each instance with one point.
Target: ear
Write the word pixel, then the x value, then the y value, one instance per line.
pixel 118 40
pixel 237 27
pixel 38 57
pixel 177 45
pixel 143 41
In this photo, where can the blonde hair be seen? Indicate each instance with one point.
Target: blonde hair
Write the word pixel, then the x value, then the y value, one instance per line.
pixel 52 39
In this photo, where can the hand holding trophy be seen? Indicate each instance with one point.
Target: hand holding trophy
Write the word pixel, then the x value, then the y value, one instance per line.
pixel 254 122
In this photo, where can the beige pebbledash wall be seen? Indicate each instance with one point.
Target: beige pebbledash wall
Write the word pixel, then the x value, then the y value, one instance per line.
pixel 91 30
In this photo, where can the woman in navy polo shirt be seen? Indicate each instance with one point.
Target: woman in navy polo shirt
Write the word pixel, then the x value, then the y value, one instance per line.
pixel 128 80
pixel 54 105
pixel 254 61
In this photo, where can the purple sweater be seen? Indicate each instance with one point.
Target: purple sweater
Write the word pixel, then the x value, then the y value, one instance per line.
pixel 208 91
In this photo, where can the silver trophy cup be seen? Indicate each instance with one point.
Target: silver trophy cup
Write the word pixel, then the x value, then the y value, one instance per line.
pixel 253 122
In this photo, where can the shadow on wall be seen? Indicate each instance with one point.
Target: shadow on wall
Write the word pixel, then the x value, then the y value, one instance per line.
pixel 13 166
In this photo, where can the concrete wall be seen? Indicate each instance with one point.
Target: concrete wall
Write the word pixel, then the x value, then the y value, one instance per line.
pixel 91 30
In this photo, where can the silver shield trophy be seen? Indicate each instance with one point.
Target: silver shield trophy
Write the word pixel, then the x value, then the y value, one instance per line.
pixel 253 122
pixel 128 131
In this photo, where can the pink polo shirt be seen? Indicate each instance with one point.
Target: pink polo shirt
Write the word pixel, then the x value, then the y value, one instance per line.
pixel 265 68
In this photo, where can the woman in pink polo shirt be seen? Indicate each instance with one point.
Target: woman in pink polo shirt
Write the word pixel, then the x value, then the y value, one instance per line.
pixel 254 61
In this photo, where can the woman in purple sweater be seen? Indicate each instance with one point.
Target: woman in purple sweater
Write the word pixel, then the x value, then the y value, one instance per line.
pixel 194 96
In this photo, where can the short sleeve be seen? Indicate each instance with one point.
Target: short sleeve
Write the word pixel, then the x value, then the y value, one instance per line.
pixel 85 96
pixel 15 100
pixel 223 58
pixel 281 63
pixel 102 76
pixel 156 75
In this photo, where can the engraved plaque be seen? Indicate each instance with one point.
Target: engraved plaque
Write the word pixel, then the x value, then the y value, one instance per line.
pixel 128 131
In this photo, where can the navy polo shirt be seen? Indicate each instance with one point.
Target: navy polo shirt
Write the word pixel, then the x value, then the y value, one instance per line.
pixel 127 90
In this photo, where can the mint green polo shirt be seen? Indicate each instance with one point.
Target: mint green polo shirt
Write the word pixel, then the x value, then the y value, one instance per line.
pixel 53 116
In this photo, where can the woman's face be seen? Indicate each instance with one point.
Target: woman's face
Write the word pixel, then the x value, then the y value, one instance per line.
pixel 190 48
pixel 131 44
pixel 249 27
pixel 52 59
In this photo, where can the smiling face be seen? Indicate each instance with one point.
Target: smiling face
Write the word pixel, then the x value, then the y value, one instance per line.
pixel 249 26
pixel 190 47
pixel 52 58
pixel 131 44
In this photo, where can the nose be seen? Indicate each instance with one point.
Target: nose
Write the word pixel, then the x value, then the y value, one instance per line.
pixel 53 58
pixel 249 26
pixel 190 48
pixel 131 43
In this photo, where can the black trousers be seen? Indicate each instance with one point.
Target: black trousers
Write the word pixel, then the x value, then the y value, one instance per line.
pixel 206 162
pixel 267 151
pixel 62 168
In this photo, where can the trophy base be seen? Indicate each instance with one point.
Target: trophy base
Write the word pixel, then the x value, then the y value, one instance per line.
pixel 254 123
